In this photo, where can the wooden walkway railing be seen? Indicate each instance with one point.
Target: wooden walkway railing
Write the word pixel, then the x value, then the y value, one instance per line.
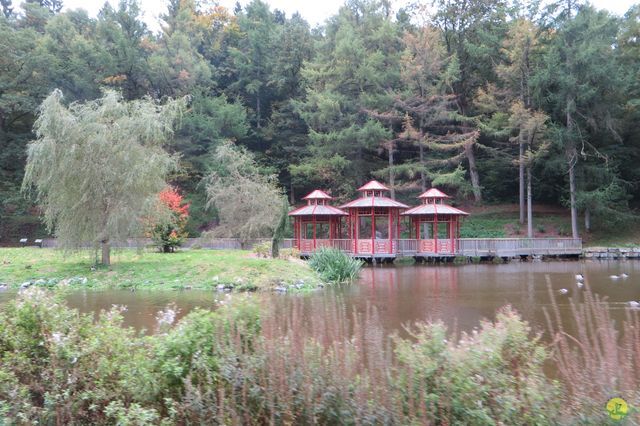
pixel 471 247
pixel 519 246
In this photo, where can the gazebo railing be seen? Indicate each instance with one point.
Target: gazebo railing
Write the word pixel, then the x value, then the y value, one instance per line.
pixel 308 246
pixel 407 247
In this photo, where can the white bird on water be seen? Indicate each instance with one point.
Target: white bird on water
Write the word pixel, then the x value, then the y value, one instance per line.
pixel 634 304
pixel 614 277
pixel 563 291
pixel 623 275
pixel 580 284
pixel 579 277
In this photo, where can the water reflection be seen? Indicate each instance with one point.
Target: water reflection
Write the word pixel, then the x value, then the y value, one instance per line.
pixel 460 296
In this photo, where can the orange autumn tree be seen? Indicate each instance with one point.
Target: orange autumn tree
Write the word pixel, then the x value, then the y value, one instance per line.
pixel 170 234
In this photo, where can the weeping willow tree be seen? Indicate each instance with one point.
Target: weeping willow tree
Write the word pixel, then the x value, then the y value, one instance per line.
pixel 96 168
pixel 248 199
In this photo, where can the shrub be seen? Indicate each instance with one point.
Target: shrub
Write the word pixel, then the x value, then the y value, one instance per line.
pixel 491 376
pixel 335 266
pixel 262 249
pixel 541 228
pixel 170 233
pixel 290 253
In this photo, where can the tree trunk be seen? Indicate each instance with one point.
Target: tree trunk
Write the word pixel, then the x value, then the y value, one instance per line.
pixel 392 176
pixel 292 196
pixel 572 198
pixel 258 110
pixel 521 183
pixel 106 253
pixel 473 172
pixel 572 159
pixel 529 205
pixel 359 168
pixel 587 220
pixel 423 181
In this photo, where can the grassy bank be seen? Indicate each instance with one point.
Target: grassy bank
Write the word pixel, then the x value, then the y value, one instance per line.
pixel 196 269
pixel 502 221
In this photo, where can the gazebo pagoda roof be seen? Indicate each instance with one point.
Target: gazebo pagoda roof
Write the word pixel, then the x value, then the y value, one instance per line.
pixel 433 209
pixel 318 195
pixel 373 185
pixel 433 193
pixel 374 202
pixel 317 210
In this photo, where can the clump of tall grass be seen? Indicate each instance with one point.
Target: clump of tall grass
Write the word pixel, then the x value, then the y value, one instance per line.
pixel 335 266
pixel 596 358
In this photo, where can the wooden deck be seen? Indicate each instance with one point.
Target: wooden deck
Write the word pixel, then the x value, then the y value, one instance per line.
pixel 468 247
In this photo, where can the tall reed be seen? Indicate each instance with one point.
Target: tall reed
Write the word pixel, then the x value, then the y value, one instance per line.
pixel 596 358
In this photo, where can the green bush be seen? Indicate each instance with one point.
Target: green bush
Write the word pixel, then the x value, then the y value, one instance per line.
pixel 289 253
pixel 335 266
pixel 491 376
pixel 262 249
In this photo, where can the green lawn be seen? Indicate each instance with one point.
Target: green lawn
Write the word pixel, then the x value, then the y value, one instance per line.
pixel 502 222
pixel 197 269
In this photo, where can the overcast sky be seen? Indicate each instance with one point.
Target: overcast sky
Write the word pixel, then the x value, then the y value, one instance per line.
pixel 314 11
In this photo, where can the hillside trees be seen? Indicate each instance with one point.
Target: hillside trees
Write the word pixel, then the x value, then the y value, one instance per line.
pixel 355 69
pixel 419 98
pixel 579 84
pixel 96 168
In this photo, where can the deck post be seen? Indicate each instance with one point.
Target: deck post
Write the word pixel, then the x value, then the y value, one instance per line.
pixel 314 232
pixel 373 229
pixel 390 233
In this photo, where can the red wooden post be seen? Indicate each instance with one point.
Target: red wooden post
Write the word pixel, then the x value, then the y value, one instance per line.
pixel 435 230
pixel 390 233
pixel 373 229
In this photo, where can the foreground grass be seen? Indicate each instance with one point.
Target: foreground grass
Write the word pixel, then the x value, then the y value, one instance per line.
pixel 196 269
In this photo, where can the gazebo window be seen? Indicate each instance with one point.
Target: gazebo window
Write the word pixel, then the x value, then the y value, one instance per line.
pixel 426 230
pixel 443 230
pixel 364 227
pixel 382 228
pixel 308 231
pixel 322 230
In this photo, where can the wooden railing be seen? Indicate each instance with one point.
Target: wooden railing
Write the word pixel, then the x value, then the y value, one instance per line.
pixel 472 247
pixel 518 246
pixel 482 247
pixel 407 247
pixel 309 246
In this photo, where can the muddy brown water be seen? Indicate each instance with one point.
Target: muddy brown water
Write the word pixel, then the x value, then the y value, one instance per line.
pixel 460 296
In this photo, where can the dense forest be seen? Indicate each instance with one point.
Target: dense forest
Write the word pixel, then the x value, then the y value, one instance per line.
pixel 492 100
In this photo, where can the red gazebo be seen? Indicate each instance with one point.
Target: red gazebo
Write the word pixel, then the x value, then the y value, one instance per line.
pixel 317 224
pixel 437 225
pixel 374 222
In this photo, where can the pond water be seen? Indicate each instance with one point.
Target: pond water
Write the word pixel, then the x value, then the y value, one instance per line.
pixel 460 296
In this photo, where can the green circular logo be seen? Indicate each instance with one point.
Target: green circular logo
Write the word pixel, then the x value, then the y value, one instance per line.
pixel 617 408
